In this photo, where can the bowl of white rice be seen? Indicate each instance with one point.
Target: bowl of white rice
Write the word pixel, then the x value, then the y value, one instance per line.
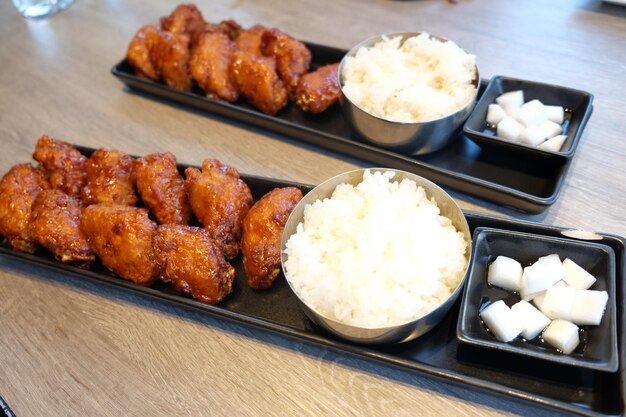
pixel 376 255
pixel 409 92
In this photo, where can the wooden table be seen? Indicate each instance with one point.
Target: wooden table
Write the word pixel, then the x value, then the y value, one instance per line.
pixel 71 347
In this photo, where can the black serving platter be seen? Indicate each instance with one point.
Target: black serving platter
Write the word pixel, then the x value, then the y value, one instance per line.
pixel 523 184
pixel 598 344
pixel 436 354
pixel 578 106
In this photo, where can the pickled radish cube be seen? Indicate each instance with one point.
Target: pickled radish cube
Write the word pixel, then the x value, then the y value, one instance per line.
pixel 553 144
pixel 555 114
pixel 533 321
pixel 512 110
pixel 505 273
pixel 559 302
pixel 509 129
pixel 543 274
pixel 563 335
pixel 576 276
pixel 550 128
pixel 532 136
pixel 589 306
pixel 495 114
pixel 499 318
pixel 538 300
pixel 532 113
pixel 553 266
pixel 515 98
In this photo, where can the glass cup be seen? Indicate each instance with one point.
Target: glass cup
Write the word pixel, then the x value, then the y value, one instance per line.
pixel 41 8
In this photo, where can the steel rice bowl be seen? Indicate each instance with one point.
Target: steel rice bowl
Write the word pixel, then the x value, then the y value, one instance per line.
pixel 415 138
pixel 397 333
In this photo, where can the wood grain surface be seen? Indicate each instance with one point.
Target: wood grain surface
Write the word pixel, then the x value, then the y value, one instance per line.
pixel 74 348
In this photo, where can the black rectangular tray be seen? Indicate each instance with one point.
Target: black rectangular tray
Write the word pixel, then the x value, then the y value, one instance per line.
pixel 523 184
pixel 437 353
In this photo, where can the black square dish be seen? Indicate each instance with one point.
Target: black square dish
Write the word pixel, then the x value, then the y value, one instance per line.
pixel 598 344
pixel 577 105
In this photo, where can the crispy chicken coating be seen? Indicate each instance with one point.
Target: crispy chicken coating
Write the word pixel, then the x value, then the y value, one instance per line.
pixel 162 188
pixel 191 260
pixel 258 82
pixel 228 27
pixel 251 40
pixel 318 90
pixel 159 54
pixel 185 19
pixel 110 178
pixel 220 200
pixel 210 61
pixel 122 237
pixel 262 231
pixel 55 225
pixel 62 163
pixel 18 189
pixel 293 58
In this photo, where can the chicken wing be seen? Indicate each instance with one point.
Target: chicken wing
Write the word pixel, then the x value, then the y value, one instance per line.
pixel 293 58
pixel 110 178
pixel 18 189
pixel 55 225
pixel 319 90
pixel 262 231
pixel 190 259
pixel 251 40
pixel 210 61
pixel 220 201
pixel 257 80
pixel 185 19
pixel 122 237
pixel 162 188
pixel 62 163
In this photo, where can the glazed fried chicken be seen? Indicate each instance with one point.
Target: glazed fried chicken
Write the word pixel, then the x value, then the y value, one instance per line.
pixel 220 201
pixel 159 54
pixel 292 57
pixel 190 259
pixel 122 237
pixel 251 40
pixel 228 27
pixel 55 225
pixel 185 19
pixel 18 189
pixel 262 231
pixel 210 61
pixel 62 163
pixel 319 89
pixel 258 82
pixel 162 188
pixel 110 178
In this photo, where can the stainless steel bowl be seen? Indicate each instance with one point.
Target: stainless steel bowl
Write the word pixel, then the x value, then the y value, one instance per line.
pixel 398 333
pixel 408 138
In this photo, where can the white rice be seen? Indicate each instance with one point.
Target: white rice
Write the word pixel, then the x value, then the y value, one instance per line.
pixel 375 255
pixel 424 79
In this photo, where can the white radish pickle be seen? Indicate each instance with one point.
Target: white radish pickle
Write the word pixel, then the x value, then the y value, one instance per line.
pixel 515 98
pixel 540 276
pixel 553 144
pixel 588 307
pixel 550 128
pixel 563 335
pixel 532 136
pixel 539 298
pixel 509 129
pixel 505 273
pixel 533 321
pixel 532 113
pixel 499 318
pixel 576 276
pixel 555 114
pixel 559 302
pixel 495 114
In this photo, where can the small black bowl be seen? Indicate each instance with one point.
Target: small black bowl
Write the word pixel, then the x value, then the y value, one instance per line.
pixel 598 344
pixel 577 105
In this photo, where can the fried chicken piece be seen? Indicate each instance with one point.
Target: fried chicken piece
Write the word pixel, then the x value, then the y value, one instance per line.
pixel 262 231
pixel 18 189
pixel 110 178
pixel 257 80
pixel 228 27
pixel 251 40
pixel 191 260
pixel 185 19
pixel 55 225
pixel 293 58
pixel 210 65
pixel 62 163
pixel 319 90
pixel 220 201
pixel 122 237
pixel 159 54
pixel 162 188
